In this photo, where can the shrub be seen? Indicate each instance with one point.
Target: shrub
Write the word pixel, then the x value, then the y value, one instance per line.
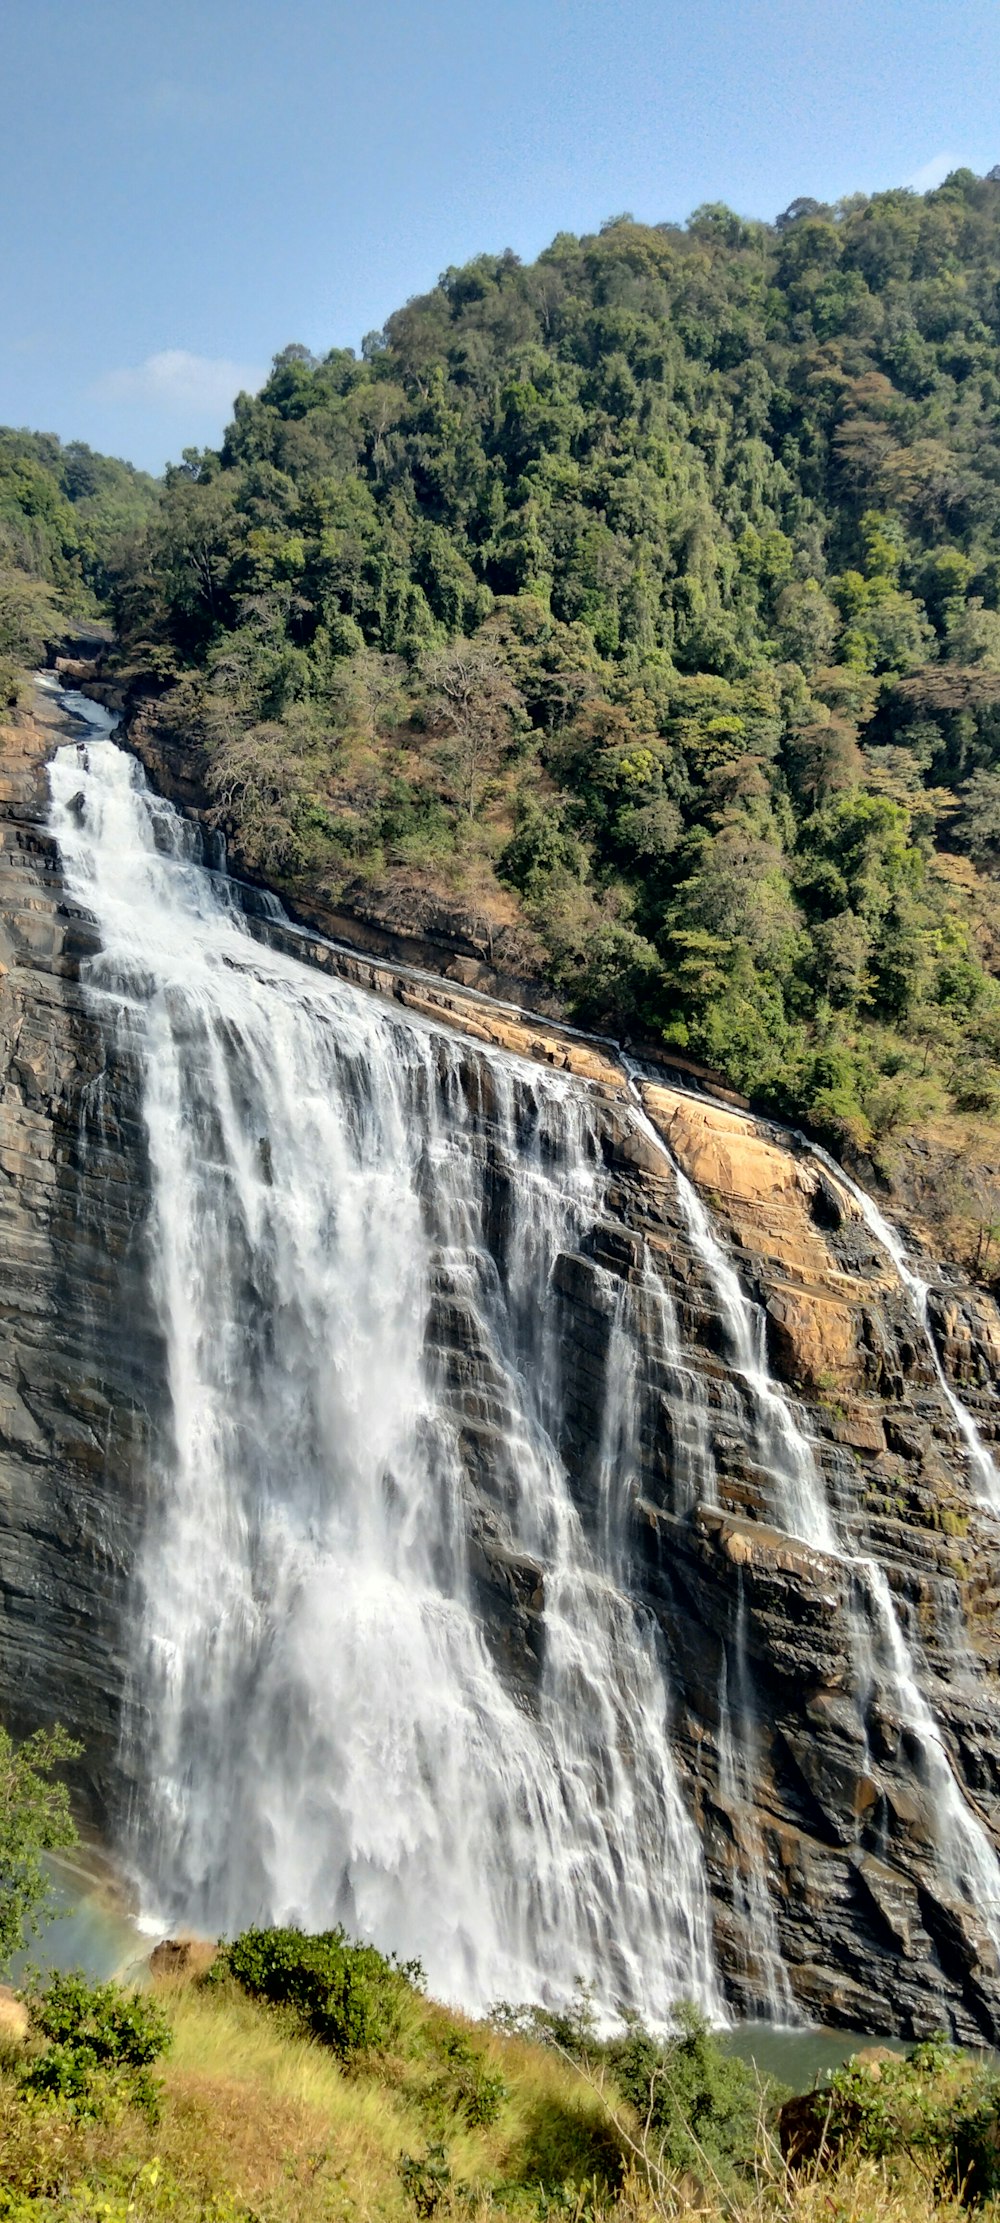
pixel 571 2029
pixel 884 2107
pixel 468 2086
pixel 701 2105
pixel 102 2042
pixel 349 1996
pixel 973 2155
pixel 425 2179
pixel 933 2107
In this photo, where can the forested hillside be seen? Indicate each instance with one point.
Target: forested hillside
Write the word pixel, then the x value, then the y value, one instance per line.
pixel 65 514
pixel 647 598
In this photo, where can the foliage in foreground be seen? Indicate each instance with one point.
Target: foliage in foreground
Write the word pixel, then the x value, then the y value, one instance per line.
pixel 259 2123
pixel 695 2106
pixel 934 2107
pixel 349 1997
pixel 99 2044
pixel 35 1818
pixel 699 2107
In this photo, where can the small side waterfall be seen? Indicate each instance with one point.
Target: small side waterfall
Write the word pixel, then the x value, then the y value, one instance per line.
pixel 783 1453
pixel 967 1858
pixel 356 1225
pixel 738 1773
pixel 983 1467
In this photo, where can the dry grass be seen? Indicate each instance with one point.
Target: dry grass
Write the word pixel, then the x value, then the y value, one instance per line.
pixel 861 2191
pixel 260 2125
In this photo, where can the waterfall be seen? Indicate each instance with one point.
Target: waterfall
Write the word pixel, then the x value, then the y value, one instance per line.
pixel 391 1663
pixel 983 1467
pixel 357 1226
pixel 739 1762
pixel 967 1859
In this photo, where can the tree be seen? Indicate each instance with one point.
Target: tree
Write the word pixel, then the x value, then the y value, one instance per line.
pixel 823 760
pixel 807 624
pixel 35 1818
pixel 473 703
pixel 977 826
pixel 672 557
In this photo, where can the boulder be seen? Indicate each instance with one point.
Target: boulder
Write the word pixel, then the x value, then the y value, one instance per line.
pixel 15 2020
pixel 183 1958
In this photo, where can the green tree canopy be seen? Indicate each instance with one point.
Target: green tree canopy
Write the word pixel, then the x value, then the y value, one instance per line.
pixel 35 1819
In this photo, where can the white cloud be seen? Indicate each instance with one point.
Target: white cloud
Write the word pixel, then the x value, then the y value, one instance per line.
pixel 933 172
pixel 182 383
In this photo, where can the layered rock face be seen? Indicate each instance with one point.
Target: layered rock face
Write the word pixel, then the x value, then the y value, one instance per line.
pixel 820 1831
pixel 80 1356
pixel 844 1818
pixel 839 1822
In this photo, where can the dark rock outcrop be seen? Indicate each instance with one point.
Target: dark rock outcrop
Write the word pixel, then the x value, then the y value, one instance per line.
pixel 80 1355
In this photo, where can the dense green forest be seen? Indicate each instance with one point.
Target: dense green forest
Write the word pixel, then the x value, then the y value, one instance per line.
pixel 647 598
pixel 65 515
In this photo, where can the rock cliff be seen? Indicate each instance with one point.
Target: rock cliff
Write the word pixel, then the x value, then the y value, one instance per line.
pixel 79 1358
pixel 837 1832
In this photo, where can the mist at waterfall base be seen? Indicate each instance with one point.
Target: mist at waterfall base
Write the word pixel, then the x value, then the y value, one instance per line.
pixel 325 1732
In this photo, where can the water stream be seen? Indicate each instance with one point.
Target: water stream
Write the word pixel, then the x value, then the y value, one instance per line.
pixel 984 1469
pixel 967 1859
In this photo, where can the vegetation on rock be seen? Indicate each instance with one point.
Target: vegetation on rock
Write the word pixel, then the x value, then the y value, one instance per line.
pixel 646 600
pixel 65 515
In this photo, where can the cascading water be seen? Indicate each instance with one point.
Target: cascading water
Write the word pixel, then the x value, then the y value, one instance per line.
pixel 326 1734
pixel 738 1771
pixel 782 1451
pixel 359 1223
pixel 984 1468
pixel 966 1856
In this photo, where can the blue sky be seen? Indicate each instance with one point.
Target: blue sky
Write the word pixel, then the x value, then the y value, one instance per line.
pixel 186 185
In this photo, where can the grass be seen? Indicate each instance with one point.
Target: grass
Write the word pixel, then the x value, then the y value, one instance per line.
pixel 259 2121
pixel 259 2124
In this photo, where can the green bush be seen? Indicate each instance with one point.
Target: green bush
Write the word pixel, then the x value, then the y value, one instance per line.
pixel 973 2149
pixel 468 2087
pixel 350 1997
pixel 102 2042
pixel 701 2105
pixel 933 2106
pixel 426 2179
